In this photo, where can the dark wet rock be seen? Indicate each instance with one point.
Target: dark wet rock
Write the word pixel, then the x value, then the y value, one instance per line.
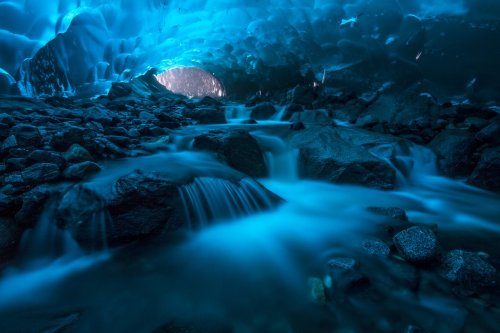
pixel 79 211
pixel 344 156
pixel 454 149
pixel 209 101
pixel 101 116
pixel 304 95
pixel 297 126
pixel 147 116
pixel 60 102
pixel 415 329
pixel 10 236
pixel 376 248
pixel 33 202
pixel 486 174
pixel 81 170
pixel 27 135
pixel 69 135
pixel 467 269
pixel 464 111
pixel 417 244
pixel 263 111
pixel 238 149
pixel 120 89
pixel 9 143
pixel 77 154
pixel 206 115
pixel 249 122
pixel 290 110
pixel 8 204
pixel 120 141
pixel 103 148
pixel 44 156
pixel 15 164
pixel 41 173
pixel 475 124
pixel 395 213
pixel 491 133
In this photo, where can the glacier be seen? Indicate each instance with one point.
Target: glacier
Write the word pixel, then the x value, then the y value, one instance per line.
pixel 79 47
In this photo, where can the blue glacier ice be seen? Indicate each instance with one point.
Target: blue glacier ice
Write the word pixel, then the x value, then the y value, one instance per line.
pixel 77 47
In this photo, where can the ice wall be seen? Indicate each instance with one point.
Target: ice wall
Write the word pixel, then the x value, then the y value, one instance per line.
pixel 79 46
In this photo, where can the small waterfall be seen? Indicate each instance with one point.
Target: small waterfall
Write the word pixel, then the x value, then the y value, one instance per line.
pixel 237 113
pixel 420 162
pixel 279 114
pixel 207 199
pixel 281 159
pixel 46 242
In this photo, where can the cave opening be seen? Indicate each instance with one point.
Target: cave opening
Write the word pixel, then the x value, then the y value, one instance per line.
pixel 192 82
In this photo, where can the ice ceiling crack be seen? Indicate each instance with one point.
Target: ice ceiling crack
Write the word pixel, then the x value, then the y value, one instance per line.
pixel 191 82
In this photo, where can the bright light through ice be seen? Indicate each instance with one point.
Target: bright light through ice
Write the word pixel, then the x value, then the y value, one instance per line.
pixel 191 82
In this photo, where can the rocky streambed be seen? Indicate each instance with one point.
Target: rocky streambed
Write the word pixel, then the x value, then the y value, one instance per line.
pixel 321 210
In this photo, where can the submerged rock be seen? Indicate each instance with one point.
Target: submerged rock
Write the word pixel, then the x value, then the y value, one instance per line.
pixel 395 213
pixel 316 291
pixel 376 248
pixel 238 149
pixel 417 244
pixel 467 269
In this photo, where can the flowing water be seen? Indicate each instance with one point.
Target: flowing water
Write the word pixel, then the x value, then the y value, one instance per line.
pixel 252 270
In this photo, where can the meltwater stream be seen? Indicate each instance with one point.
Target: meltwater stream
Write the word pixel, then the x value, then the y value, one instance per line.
pixel 251 272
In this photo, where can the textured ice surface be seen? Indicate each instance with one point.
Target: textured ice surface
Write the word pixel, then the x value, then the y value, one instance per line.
pixel 76 46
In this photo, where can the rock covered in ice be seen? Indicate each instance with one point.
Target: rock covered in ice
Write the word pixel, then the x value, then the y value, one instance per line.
pixel 417 244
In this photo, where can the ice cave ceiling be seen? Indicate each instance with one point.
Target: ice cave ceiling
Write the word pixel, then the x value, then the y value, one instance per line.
pixel 80 46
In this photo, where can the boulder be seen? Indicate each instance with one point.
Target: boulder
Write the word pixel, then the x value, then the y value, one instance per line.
pixel 68 135
pixel 486 174
pixel 77 154
pixel 44 156
pixel 238 149
pixel 263 111
pixel 491 133
pixel 205 115
pixel 346 156
pixel 120 89
pixel 27 135
pixel 469 270
pixel 81 170
pixel 454 149
pixel 41 173
pixel 417 244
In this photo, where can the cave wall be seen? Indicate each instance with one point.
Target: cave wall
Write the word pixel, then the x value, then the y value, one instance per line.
pixel 69 47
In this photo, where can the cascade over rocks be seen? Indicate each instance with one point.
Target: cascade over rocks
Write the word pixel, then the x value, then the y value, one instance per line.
pixel 138 205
